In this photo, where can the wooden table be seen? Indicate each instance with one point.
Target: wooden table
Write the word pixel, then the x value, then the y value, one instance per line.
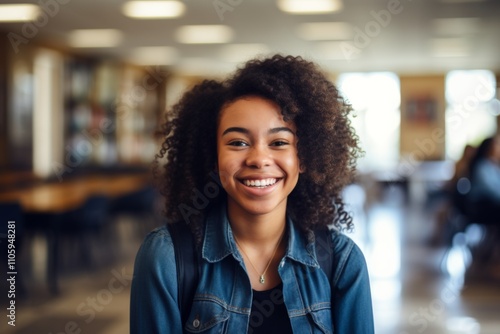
pixel 54 199
pixel 61 197
pixel 12 179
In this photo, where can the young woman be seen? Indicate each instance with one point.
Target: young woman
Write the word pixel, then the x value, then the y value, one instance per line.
pixel 254 165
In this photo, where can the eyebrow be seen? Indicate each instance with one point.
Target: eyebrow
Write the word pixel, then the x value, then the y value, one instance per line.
pixel 246 131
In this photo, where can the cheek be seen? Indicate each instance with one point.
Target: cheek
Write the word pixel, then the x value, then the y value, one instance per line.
pixel 292 164
pixel 227 167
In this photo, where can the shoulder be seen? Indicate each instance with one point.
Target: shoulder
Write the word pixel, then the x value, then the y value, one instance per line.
pixel 341 243
pixel 154 288
pixel 351 295
pixel 348 258
pixel 156 239
pixel 156 251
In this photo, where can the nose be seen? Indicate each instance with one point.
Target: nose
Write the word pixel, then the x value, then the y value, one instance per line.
pixel 258 156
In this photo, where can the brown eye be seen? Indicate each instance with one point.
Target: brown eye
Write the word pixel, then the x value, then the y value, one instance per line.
pixel 238 143
pixel 279 143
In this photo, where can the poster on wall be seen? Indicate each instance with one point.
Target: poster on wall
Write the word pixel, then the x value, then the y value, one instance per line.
pixel 421 110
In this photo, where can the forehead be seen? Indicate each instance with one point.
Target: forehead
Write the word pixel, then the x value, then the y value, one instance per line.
pixel 251 108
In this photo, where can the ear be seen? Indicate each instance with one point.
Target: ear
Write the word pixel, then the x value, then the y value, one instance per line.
pixel 302 168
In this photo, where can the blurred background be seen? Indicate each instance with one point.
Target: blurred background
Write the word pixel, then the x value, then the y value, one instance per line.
pixel 84 85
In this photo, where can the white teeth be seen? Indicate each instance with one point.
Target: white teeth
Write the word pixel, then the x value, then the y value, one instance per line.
pixel 259 183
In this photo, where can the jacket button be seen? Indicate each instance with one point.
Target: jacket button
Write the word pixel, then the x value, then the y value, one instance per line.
pixel 196 323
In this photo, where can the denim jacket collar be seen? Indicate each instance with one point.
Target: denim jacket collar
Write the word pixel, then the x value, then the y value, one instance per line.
pixel 219 241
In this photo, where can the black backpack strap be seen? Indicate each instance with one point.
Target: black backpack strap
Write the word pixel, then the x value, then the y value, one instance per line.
pixel 324 250
pixel 186 260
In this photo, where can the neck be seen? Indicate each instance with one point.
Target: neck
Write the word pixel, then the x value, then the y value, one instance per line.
pixel 258 238
pixel 262 229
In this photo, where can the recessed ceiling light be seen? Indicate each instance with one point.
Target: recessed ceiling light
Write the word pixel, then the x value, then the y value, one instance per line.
pixel 449 47
pixel 318 31
pixel 310 6
pixel 456 26
pixel 19 12
pixel 153 9
pixel 95 38
pixel 204 34
pixel 154 55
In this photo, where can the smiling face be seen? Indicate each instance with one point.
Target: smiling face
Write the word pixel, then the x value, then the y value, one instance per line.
pixel 257 156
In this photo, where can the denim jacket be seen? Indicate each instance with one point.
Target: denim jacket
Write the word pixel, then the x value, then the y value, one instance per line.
pixel 223 300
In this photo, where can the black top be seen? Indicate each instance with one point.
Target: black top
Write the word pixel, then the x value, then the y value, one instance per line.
pixel 269 314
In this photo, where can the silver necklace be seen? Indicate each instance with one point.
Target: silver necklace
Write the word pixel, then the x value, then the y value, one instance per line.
pixel 262 276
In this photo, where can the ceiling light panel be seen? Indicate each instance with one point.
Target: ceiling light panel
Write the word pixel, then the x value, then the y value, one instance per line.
pixel 18 12
pixel 95 38
pixel 204 34
pixel 456 26
pixel 153 9
pixel 309 6
pixel 449 47
pixel 154 55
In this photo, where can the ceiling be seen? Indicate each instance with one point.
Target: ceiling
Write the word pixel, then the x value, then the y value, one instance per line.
pixel 414 39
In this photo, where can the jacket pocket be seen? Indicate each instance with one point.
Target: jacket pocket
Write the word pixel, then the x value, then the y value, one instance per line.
pixel 322 319
pixel 207 316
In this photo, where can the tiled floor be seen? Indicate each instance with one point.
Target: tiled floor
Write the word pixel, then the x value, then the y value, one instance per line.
pixel 415 288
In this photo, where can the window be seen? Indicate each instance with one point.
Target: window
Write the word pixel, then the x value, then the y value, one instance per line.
pixel 471 109
pixel 376 100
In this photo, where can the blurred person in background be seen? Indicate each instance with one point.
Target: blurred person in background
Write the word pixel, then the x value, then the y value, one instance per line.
pixel 484 173
pixel 462 166
pixel 451 201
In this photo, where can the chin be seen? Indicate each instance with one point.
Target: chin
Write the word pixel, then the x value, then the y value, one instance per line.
pixel 260 208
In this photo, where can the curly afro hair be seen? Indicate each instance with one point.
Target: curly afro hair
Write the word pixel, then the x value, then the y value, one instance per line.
pixel 327 148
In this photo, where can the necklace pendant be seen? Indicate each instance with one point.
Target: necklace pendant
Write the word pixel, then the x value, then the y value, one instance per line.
pixel 262 279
